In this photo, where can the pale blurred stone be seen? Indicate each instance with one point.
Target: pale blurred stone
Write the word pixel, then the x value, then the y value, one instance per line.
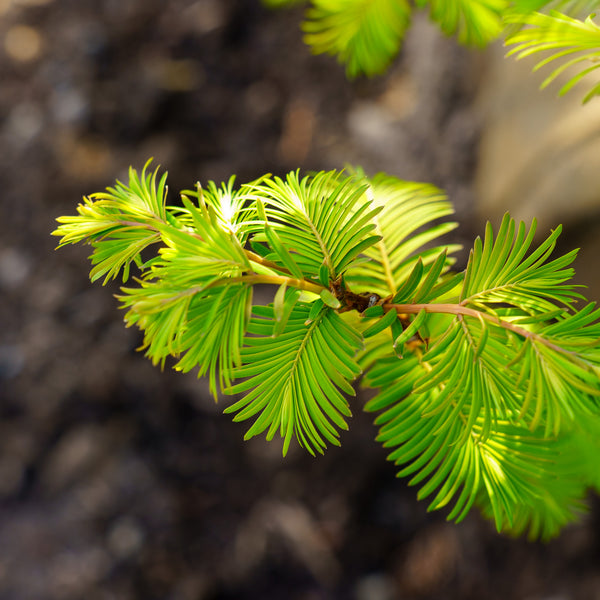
pixel 125 538
pixel 14 268
pixel 24 123
pixel 375 587
pixel 540 153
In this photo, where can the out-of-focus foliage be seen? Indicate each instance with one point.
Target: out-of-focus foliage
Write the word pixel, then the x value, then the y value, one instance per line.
pixel 366 35
pixel 566 43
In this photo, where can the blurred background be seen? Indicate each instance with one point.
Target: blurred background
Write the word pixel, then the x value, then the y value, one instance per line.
pixel 119 481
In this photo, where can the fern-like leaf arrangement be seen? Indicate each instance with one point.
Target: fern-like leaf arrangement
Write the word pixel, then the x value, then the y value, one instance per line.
pixel 488 378
pixel 570 43
pixel 366 35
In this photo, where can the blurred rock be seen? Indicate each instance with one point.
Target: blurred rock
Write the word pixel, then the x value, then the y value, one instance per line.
pixel 14 268
pixel 125 538
pixel 24 123
pixel 539 153
pixel 375 587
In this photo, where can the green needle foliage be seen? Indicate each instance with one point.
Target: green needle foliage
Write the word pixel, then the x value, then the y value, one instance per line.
pixel 561 39
pixel 366 35
pixel 488 379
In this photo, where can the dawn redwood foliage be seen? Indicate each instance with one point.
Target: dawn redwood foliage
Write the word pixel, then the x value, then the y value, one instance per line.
pixel 487 379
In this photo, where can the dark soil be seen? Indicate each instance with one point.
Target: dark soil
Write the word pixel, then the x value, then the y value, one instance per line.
pixel 119 481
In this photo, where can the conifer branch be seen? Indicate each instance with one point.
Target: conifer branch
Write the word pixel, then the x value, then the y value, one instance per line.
pixel 489 380
pixel 464 311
